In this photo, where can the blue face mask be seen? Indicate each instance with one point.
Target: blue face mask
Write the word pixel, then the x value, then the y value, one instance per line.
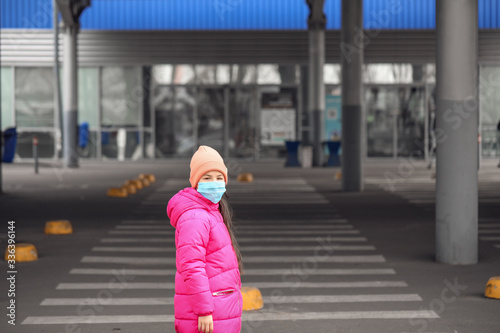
pixel 213 191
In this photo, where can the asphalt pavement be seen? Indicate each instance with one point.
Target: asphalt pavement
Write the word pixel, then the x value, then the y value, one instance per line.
pixel 324 260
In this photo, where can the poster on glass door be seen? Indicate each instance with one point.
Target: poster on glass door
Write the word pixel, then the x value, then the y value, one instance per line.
pixel 333 118
pixel 277 118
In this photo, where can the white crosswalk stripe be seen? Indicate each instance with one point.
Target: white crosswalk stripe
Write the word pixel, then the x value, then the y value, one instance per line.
pixel 290 285
pixel 252 232
pixel 248 271
pixel 247 316
pixel 241 239
pixel 243 248
pixel 276 300
pixel 248 259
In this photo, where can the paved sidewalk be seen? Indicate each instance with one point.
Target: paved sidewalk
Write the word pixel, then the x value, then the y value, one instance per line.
pixel 325 261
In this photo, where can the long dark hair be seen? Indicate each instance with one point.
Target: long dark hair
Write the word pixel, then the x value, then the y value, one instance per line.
pixel 227 216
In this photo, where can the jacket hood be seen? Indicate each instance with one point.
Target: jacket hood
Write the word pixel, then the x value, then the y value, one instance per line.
pixel 187 199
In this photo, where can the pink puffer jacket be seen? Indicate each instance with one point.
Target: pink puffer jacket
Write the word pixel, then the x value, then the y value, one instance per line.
pixel 206 265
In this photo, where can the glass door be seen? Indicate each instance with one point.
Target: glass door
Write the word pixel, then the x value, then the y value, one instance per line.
pixel 411 122
pixel 242 122
pixel 174 111
pixel 210 128
pixel 382 108
pixel 395 120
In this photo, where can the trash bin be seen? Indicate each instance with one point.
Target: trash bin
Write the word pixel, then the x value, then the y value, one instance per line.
pixel 333 150
pixel 83 135
pixel 10 142
pixel 292 148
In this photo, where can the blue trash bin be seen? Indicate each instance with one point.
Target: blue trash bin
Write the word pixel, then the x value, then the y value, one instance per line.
pixel 292 148
pixel 83 135
pixel 333 149
pixel 10 142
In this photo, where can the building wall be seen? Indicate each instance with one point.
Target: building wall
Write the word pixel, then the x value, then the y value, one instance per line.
pixel 35 47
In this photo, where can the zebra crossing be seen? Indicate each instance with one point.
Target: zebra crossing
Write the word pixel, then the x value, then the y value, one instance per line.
pixel 307 269
pixel 422 193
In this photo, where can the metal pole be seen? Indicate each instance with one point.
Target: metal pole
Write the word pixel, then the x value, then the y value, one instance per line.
pixel 457 132
pixel 57 77
pixel 316 91
pixel 226 92
pixel 70 116
pixel 35 153
pixel 353 130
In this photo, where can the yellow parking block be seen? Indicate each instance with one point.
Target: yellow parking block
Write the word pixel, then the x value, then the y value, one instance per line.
pixel 338 175
pixel 145 182
pixel 129 188
pixel 493 288
pixel 23 252
pixel 148 176
pixel 245 177
pixel 136 182
pixel 252 298
pixel 117 192
pixel 59 227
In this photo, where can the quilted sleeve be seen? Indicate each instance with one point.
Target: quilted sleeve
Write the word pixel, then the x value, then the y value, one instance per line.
pixel 192 241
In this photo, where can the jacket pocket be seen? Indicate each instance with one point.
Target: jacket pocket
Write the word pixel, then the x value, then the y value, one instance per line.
pixel 223 292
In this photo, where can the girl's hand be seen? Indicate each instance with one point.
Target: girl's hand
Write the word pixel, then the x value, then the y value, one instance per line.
pixel 206 324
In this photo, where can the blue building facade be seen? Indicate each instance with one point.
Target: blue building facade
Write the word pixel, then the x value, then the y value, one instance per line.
pixel 232 14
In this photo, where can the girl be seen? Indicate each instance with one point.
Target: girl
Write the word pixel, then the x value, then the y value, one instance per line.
pixel 207 283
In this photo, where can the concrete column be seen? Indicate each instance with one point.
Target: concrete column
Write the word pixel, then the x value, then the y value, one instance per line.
pixel 305 125
pixel 457 132
pixel 316 85
pixel 353 124
pixel 70 97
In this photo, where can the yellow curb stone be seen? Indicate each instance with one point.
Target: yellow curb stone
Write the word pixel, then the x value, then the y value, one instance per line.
pixel 148 176
pixel 117 192
pixel 245 177
pixel 493 288
pixel 136 182
pixel 59 227
pixel 145 182
pixel 129 188
pixel 252 298
pixel 24 252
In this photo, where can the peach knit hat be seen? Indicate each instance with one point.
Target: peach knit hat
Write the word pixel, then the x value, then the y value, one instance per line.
pixel 204 160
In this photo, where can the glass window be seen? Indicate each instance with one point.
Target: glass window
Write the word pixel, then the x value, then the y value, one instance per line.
pixel 162 74
pixel 121 96
pixel 411 121
pixel 24 147
pixel 206 74
pixel 174 113
pixel 489 102
pixel 88 96
pixel 332 73
pixel 211 118
pixel 388 73
pixel 6 97
pixel 184 74
pixel 242 122
pixel 34 97
pixel 268 74
pixel 382 105
pixel 222 73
